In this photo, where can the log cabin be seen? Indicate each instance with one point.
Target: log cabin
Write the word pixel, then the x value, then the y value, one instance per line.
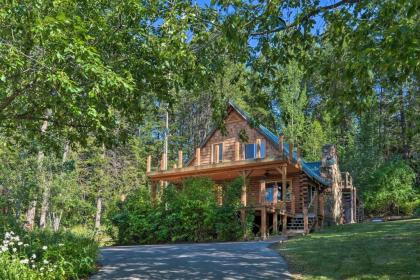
pixel 286 193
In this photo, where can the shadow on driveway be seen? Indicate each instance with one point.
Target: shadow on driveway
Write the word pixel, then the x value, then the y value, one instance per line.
pixel 234 260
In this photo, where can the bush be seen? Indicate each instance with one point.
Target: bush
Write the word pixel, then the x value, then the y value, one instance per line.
pixel 47 255
pixel 190 212
pixel 392 189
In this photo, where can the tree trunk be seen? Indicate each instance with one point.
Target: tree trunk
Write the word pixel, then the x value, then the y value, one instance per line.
pixel 44 204
pixel 98 213
pixel 56 220
pixel 403 124
pixel 43 182
pixel 30 215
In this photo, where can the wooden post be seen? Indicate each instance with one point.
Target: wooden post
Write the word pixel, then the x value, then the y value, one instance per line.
pixel 217 154
pixel 153 192
pixel 220 195
pixel 355 206
pixel 284 184
pixel 298 156
pixel 212 154
pixel 293 201
pixel 162 163
pixel 305 220
pixel 262 192
pixel 180 159
pixel 275 223
pixel 316 199
pixel 275 194
pixel 284 224
pixel 258 143
pixel 281 145
pixel 149 164
pixel 243 191
pixel 291 152
pixel 263 223
pixel 197 157
pixel 174 166
pixel 237 150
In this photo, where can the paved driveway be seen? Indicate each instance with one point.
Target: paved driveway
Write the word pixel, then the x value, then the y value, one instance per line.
pixel 234 260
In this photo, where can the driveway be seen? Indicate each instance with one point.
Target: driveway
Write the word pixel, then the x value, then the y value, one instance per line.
pixel 233 260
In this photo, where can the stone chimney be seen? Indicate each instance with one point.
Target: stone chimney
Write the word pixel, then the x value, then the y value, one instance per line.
pixel 329 161
pixel 331 171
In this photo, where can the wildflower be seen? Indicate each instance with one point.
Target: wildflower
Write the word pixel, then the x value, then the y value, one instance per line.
pixel 33 266
pixel 25 261
pixel 61 244
pixel 50 270
pixel 7 235
pixel 44 248
pixel 14 250
pixel 3 248
pixel 33 256
pixel 20 243
pixel 46 262
pixel 25 245
pixel 41 269
pixel 11 243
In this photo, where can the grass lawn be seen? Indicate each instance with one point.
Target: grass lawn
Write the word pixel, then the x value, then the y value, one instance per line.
pixel 389 250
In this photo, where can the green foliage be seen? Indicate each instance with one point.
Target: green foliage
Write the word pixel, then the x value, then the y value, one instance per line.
pixel 392 188
pixel 47 255
pixel 187 213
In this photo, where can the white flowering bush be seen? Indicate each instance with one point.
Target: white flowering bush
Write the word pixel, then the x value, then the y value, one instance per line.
pixel 46 255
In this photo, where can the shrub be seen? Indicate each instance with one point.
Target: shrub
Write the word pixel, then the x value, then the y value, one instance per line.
pixel 46 255
pixel 392 190
pixel 190 212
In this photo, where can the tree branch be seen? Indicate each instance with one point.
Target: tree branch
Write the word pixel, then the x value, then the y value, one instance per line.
pixel 8 100
pixel 304 18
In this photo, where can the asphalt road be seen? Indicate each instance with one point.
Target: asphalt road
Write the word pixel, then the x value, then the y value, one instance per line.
pixel 233 260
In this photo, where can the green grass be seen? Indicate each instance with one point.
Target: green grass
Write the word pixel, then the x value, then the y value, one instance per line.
pixel 389 250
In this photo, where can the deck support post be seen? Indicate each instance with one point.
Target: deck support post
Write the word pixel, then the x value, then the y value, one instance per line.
pixel 180 159
pixel 263 222
pixel 305 220
pixel 284 225
pixel 283 184
pixel 153 191
pixel 316 199
pixel 262 192
pixel 275 223
pixel 243 190
pixel 355 204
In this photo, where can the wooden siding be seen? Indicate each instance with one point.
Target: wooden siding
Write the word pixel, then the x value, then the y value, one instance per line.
pixel 234 125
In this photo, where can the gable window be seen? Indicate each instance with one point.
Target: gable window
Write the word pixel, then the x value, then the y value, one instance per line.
pixel 218 152
pixel 251 150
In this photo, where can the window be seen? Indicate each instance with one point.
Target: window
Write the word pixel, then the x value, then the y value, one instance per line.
pixel 311 192
pixel 219 153
pixel 280 193
pixel 262 149
pixel 250 151
pixel 269 191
